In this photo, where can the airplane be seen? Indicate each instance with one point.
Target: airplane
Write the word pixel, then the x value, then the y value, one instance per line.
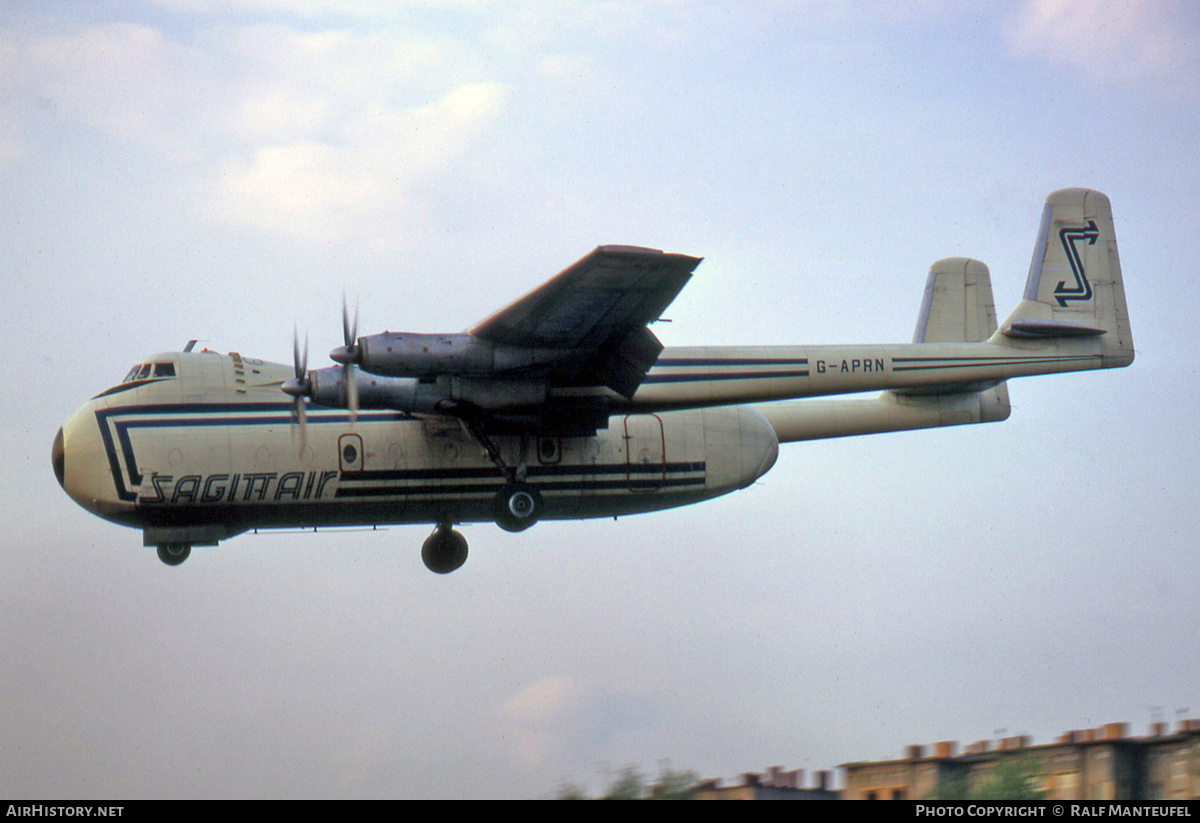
pixel 563 405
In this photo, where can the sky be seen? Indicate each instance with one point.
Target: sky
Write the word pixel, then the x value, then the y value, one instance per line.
pixel 177 169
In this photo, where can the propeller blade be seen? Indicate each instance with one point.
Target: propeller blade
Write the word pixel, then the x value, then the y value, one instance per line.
pixel 298 406
pixel 299 362
pixel 348 356
pixel 351 390
pixel 348 352
pixel 299 387
pixel 349 331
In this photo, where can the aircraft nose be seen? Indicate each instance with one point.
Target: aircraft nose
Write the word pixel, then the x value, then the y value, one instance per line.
pixel 77 457
pixel 58 457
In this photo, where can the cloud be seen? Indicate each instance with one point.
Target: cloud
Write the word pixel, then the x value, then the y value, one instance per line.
pixel 362 9
pixel 543 717
pixel 541 701
pixel 563 720
pixel 1127 41
pixel 292 189
pixel 126 79
pixel 322 190
pixel 301 134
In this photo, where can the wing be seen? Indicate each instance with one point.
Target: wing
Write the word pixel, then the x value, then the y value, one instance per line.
pixel 599 307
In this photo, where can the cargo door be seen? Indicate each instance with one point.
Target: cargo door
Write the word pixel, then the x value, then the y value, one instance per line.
pixel 645 452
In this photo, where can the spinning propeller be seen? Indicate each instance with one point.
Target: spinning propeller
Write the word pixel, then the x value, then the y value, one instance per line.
pixel 348 355
pixel 299 386
pixel 319 385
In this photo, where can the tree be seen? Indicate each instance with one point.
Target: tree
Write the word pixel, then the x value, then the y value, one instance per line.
pixel 672 785
pixel 570 791
pixel 1013 777
pixel 630 784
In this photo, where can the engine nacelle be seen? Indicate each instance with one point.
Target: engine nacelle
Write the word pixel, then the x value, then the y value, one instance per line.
pixel 411 394
pixel 403 354
pixel 496 395
pixel 407 394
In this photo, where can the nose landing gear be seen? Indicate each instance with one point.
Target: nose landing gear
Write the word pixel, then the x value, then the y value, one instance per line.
pixel 174 553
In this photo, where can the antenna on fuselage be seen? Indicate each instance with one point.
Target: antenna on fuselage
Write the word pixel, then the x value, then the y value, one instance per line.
pixel 191 344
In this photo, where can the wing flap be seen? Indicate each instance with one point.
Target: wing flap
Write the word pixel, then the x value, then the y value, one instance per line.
pixel 621 366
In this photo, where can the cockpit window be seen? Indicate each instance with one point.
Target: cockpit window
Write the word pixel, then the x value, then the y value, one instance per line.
pixel 140 374
pixel 142 371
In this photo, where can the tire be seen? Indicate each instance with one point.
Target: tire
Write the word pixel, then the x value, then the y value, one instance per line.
pixel 518 506
pixel 173 553
pixel 444 551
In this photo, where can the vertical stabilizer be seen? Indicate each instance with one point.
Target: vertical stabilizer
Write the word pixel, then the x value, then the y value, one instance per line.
pixel 958 305
pixel 958 308
pixel 1074 288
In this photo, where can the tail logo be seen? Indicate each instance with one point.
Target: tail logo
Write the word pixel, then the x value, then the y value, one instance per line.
pixel 1082 290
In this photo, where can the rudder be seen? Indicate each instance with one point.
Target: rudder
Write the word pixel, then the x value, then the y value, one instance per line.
pixel 1075 288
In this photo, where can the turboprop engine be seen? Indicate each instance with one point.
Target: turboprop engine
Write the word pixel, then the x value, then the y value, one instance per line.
pixel 328 387
pixel 404 354
pixel 421 373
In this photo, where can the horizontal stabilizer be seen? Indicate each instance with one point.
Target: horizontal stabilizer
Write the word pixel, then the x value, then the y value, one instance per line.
pixel 1050 328
pixel 957 308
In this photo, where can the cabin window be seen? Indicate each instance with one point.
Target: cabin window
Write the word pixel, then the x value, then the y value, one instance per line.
pixel 164 369
pixel 548 450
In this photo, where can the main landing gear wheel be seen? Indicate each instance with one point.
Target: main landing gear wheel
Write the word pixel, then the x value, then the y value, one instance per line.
pixel 518 506
pixel 173 553
pixel 444 550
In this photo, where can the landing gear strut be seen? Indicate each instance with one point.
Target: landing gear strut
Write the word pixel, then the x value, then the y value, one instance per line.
pixel 174 553
pixel 444 550
pixel 518 505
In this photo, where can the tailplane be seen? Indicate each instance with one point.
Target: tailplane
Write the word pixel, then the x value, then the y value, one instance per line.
pixel 1074 288
pixel 958 308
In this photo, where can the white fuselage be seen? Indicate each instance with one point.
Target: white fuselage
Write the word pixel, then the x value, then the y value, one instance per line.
pixel 214 450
